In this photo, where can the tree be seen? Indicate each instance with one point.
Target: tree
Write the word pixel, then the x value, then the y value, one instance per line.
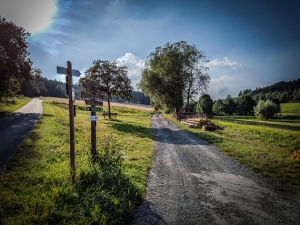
pixel 113 79
pixel 218 107
pixel 205 104
pixel 15 64
pixel 195 68
pixel 229 105
pixel 174 72
pixel 245 104
pixel 265 109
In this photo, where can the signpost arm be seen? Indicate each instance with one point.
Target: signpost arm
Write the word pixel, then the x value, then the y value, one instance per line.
pixel 71 117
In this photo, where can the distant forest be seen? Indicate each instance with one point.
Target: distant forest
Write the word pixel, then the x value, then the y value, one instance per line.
pixel 41 86
pixel 283 91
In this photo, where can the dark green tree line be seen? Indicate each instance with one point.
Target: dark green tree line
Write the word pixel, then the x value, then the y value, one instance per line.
pixel 15 64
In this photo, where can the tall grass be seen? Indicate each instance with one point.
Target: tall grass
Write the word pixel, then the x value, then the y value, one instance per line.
pixel 36 186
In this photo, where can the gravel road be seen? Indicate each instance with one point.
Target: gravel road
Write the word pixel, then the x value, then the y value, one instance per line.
pixel 15 127
pixel 192 182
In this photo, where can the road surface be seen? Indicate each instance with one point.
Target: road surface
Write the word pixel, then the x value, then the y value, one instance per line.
pixel 192 182
pixel 15 127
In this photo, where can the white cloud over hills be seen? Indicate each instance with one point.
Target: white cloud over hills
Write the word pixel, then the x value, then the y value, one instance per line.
pixel 227 63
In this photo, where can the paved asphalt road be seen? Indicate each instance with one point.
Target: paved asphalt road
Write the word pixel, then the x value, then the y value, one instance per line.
pixel 15 127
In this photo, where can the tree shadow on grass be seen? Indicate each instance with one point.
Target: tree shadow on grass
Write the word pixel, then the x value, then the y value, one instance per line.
pixel 134 129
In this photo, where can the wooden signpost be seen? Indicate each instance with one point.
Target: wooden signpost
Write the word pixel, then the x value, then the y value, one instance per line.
pixel 91 94
pixel 69 72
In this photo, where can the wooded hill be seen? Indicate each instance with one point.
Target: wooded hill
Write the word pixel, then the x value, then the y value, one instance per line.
pixel 283 91
pixel 41 86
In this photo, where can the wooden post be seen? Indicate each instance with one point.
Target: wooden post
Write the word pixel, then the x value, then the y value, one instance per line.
pixel 71 117
pixel 93 136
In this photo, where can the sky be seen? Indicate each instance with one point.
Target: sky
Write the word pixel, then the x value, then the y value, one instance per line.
pixel 249 43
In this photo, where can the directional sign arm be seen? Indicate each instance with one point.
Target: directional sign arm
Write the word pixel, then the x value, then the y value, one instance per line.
pixel 63 70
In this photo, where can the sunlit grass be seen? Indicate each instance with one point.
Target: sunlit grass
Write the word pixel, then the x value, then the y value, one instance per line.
pixel 9 105
pixel 36 186
pixel 290 108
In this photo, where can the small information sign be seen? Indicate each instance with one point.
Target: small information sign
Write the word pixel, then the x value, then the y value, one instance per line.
pixel 93 118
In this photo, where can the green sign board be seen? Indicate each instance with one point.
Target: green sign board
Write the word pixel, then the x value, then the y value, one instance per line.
pixel 94 109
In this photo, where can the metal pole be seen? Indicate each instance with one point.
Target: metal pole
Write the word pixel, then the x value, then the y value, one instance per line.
pixel 71 117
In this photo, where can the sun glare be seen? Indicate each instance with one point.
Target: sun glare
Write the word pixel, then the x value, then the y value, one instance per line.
pixel 34 15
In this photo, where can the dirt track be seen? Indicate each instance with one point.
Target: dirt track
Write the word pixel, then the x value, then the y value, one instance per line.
pixel 192 182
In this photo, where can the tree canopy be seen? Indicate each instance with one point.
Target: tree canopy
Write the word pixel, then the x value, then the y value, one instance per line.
pixel 15 64
pixel 205 104
pixel 174 73
pixel 113 79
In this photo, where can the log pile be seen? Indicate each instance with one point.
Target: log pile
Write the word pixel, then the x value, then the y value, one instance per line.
pixel 202 123
pixel 296 155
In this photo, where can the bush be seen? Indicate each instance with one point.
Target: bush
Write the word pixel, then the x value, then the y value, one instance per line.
pixel 265 109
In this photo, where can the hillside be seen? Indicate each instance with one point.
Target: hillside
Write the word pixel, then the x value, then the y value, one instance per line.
pixel 283 91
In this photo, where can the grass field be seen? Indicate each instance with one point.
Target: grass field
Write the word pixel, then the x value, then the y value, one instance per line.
pixel 263 146
pixel 9 105
pixel 36 187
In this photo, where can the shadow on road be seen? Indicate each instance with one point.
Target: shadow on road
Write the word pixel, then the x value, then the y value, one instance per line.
pixel 146 215
pixel 14 128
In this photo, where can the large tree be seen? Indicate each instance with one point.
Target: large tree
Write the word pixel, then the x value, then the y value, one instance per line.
pixel 205 104
pixel 218 107
pixel 245 104
pixel 113 79
pixel 15 64
pixel 173 73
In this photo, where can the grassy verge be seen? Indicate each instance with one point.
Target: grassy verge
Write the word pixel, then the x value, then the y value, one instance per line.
pixel 9 105
pixel 264 149
pixel 36 186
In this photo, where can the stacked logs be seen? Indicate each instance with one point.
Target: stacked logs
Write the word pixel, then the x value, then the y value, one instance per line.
pixel 296 155
pixel 203 123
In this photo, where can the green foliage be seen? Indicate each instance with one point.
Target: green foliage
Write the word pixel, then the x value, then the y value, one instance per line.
pixel 174 72
pixel 265 109
pixel 205 104
pixel 283 91
pixel 218 107
pixel 15 64
pixel 245 104
pixel 113 79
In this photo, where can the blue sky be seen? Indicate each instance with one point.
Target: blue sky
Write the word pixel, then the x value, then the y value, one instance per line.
pixel 249 43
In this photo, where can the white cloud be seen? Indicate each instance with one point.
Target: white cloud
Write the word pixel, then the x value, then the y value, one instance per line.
pixel 221 79
pixel 33 15
pixel 134 65
pixel 227 63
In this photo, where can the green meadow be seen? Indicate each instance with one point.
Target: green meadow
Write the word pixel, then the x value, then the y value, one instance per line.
pixel 36 187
